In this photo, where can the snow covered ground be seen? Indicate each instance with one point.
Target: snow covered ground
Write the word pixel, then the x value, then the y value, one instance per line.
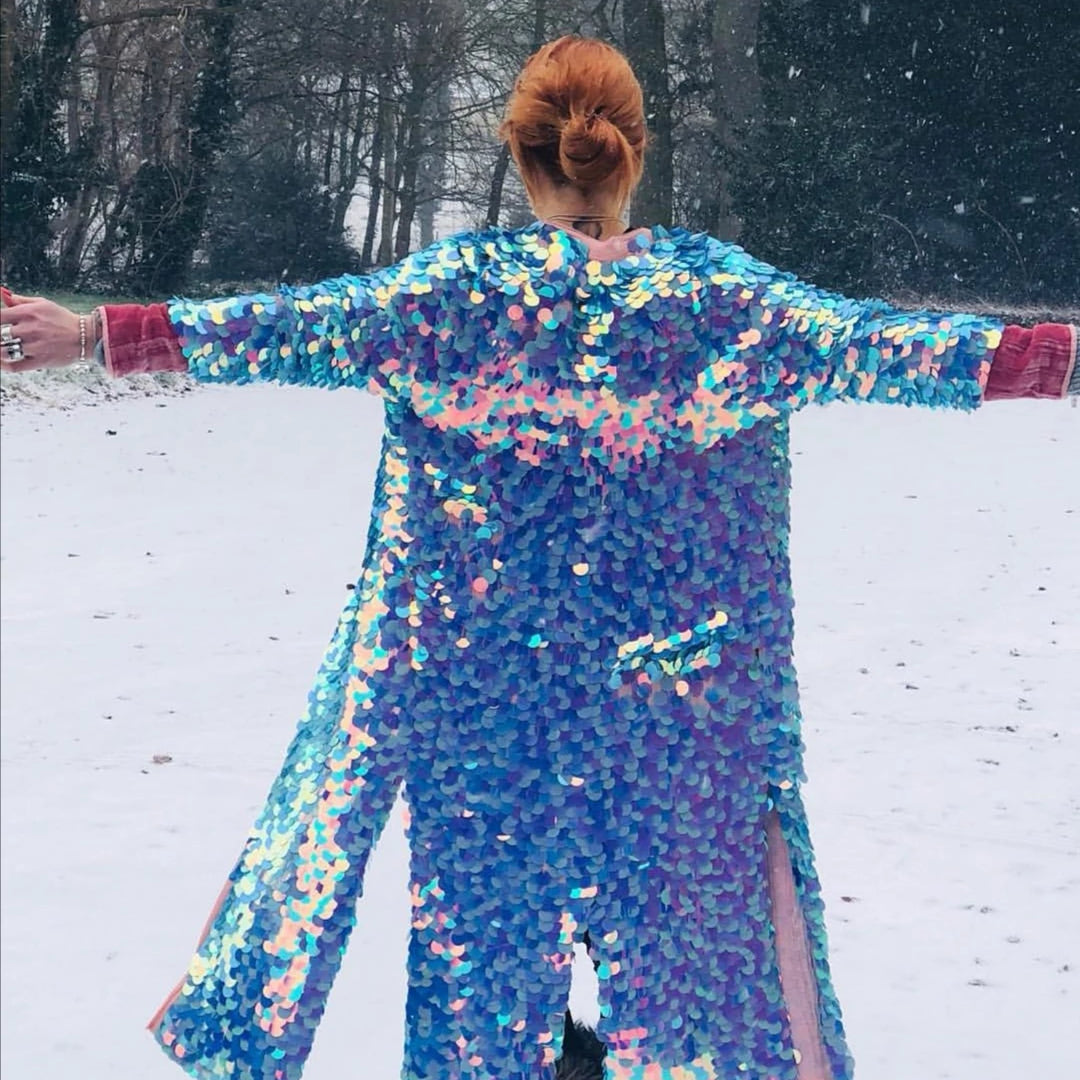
pixel 173 565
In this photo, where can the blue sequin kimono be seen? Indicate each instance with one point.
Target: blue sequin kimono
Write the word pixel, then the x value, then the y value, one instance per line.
pixel 571 642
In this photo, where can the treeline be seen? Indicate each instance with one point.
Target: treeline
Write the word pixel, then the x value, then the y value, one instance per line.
pixel 882 147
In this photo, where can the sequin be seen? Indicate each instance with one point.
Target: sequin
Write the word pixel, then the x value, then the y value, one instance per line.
pixel 570 642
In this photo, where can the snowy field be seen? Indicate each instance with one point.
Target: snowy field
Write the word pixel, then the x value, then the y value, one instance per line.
pixel 173 565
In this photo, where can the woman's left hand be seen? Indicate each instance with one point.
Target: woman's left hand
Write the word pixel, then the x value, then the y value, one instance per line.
pixel 37 333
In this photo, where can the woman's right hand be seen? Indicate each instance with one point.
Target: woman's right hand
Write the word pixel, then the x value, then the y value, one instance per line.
pixel 47 334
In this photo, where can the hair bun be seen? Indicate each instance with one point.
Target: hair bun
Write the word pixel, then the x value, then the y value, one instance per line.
pixel 591 149
pixel 577 117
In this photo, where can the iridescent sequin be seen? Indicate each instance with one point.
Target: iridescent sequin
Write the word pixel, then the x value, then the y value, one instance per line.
pixel 571 641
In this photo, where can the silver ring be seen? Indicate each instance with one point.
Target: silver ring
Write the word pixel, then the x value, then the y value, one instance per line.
pixel 14 349
pixel 6 333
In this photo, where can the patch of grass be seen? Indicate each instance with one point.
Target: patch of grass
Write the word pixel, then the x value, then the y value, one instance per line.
pixel 86 301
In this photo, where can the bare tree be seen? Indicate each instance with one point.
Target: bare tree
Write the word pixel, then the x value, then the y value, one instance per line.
pixel 737 107
pixel 645 42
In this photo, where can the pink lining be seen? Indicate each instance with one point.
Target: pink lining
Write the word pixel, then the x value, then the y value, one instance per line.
pixel 1032 362
pixel 793 958
pixel 155 1020
pixel 138 338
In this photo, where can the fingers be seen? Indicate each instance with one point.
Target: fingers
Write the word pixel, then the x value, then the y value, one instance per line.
pixel 17 320
pixel 13 329
pixel 28 313
pixel 12 351
pixel 37 333
pixel 11 299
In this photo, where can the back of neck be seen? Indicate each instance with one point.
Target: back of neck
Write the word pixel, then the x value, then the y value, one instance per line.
pixel 598 226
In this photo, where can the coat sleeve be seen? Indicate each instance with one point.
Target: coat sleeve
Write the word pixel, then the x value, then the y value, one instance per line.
pixel 346 331
pixel 781 343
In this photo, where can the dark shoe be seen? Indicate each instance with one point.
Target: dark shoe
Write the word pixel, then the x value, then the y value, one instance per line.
pixel 582 1053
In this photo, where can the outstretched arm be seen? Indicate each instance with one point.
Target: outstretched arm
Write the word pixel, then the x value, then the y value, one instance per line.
pixel 940 359
pixel 347 331
pixel 789 343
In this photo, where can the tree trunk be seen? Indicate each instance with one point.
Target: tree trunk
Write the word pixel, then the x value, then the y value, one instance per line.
pixel 35 153
pixel 110 243
pixel 737 104
pixel 375 190
pixel 389 198
pixel 498 182
pixel 340 102
pixel 350 160
pixel 424 83
pixel 9 21
pixel 408 167
pixel 643 32
pixel 83 209
pixel 165 260
pixel 429 182
pixel 9 18
pixel 502 162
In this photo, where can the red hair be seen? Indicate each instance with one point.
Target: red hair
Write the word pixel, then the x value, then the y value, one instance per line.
pixel 576 116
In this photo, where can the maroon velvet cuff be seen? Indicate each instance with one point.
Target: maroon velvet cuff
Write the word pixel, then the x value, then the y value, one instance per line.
pixel 1032 363
pixel 139 338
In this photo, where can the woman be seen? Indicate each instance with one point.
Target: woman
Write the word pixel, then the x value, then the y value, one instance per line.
pixel 571 639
